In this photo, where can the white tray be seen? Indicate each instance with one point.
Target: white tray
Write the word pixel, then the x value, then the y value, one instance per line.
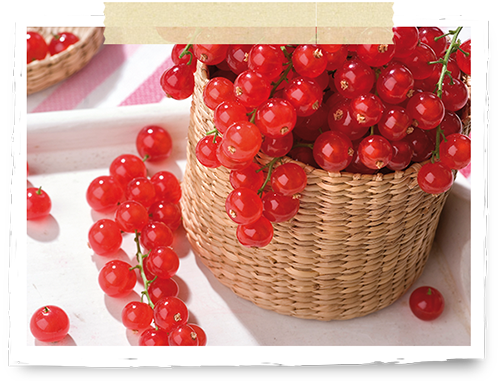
pixel 67 150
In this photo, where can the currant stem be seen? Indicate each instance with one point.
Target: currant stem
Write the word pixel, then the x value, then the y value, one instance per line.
pixel 186 51
pixel 140 258
pixel 270 165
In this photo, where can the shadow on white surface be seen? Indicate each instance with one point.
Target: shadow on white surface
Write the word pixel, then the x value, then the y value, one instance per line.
pixel 67 341
pixel 45 229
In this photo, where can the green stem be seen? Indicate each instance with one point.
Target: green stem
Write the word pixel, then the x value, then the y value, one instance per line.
pixel 186 51
pixel 270 166
pixel 140 259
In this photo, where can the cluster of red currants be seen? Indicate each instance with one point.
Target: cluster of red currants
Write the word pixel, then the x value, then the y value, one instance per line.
pixel 149 208
pixel 38 48
pixel 354 108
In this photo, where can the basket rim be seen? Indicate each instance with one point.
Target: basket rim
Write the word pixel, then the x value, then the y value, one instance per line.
pixel 413 169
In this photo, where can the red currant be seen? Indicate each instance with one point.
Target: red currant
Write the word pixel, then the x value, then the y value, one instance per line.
pixel 206 151
pixel 178 82
pixel 241 141
pixel 427 109
pixel 105 237
pixel 375 151
pixel 394 123
pixel 142 190
pixel 131 216
pixel 418 61
pixel 49 324
pixel 227 113
pixel 117 279
pixel 420 144
pixel 288 179
pixel 464 60
pixel 279 208
pixel 333 151
pixel 153 143
pixel 163 262
pixel 429 36
pixel 266 60
pixel 37 48
pixel 376 54
pixel 309 60
pixel 210 54
pixel 277 147
pixel 243 206
pixel 257 234
pixel 61 42
pixel 335 55
pixel 426 303
pixel 276 117
pixel 237 57
pixel 354 78
pixel 405 40
pixel 137 316
pixel 216 91
pixel 435 178
pixel 395 83
pixel 455 95
pixel 251 89
pixel 367 109
pixel 341 119
pixel 304 94
pixel 168 213
pixel 155 234
pixel 177 59
pixel 401 155
pixel 250 177
pixel 104 193
pixel 161 288
pixel 153 337
pixel 170 313
pixel 455 152
pixel 127 167
pixel 202 337
pixel 167 187
pixel 184 335
pixel 39 203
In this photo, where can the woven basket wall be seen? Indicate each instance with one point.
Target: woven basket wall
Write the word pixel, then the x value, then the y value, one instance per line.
pixel 53 69
pixel 356 245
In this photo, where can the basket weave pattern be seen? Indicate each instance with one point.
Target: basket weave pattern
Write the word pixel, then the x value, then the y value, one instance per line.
pixel 356 245
pixel 53 69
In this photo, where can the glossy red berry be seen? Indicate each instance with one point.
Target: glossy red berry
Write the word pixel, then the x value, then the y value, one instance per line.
pixel 455 94
pixel 142 190
pixel 277 147
pixel 170 313
pixel 177 50
pixel 104 193
pixel 153 143
pixel 155 234
pixel 178 82
pixel 276 117
pixel 455 151
pixel 243 206
pixel 288 179
pixel 418 61
pixel 251 89
pixel 367 109
pixel 237 57
pixel 61 42
pixel 117 279
pixel 304 94
pixel 161 288
pixel 375 151
pixel 163 262
pixel 257 234
pixel 39 203
pixel 429 36
pixel 333 151
pixel 210 54
pixel 376 54
pixel 137 315
pixel 206 151
pixel 267 60
pixel 131 216
pixel 394 123
pixel 167 187
pixel 336 54
pixel 227 113
pixel 216 91
pixel 279 208
pixel 309 60
pixel 37 48
pixel 250 177
pixel 49 324
pixel 426 109
pixel 241 141
pixel 435 178
pixel 405 40
pixel 153 337
pixel 395 83
pixel 426 303
pixel 202 336
pixel 126 167
pixel 341 118
pixel 184 335
pixel 168 213
pixel 105 237
pixel 464 60
pixel 402 154
pixel 420 144
pixel 354 78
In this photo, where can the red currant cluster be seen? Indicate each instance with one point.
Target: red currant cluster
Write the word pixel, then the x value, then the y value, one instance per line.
pixel 149 208
pixel 38 48
pixel 354 108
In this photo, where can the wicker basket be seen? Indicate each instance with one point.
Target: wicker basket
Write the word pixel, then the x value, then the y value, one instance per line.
pixel 356 245
pixel 53 69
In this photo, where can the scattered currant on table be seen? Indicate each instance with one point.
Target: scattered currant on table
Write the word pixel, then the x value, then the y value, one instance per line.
pixel 426 303
pixel 146 206
pixel 49 324
pixel 364 109
pixel 39 203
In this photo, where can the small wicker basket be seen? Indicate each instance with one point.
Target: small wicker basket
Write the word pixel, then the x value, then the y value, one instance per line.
pixel 356 245
pixel 53 69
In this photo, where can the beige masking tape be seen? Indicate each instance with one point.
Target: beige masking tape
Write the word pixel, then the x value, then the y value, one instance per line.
pixel 251 23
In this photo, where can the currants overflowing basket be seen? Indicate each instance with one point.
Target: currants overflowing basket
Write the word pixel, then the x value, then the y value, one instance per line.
pixel 316 174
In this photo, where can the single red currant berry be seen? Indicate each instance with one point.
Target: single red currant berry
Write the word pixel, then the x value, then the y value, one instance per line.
pixel 227 113
pixel 375 151
pixel 117 279
pixel 367 109
pixel 242 141
pixel 210 54
pixel 105 237
pixel 152 337
pixel 154 234
pixel 304 155
pixel 229 162
pixel 354 78
pixel 202 337
pixel 216 91
pixel 420 144
pixel 418 61
pixel 376 54
pixel 184 335
pixel 137 315
pixel 163 262
pixel 341 119
pixel 394 123
pixel 61 42
pixel 427 110
pixel 125 168
pixel 405 40
pixel 455 94
pixel 429 36
pixel 38 203
pixel 142 190
pixel 276 117
pixel 178 50
pixel 104 193
pixel 37 48
pixel 49 324
pixel 288 179
pixel 279 208
pixel 206 151
pixel 356 165
pixel 333 151
pixel 426 303
pixel 237 57
pixel 267 60
pixel 250 177
pixel 336 55
pixel 161 288
pixel 178 82
pixel 153 143
pixel 464 60
pixel 401 155
pixel 168 213
pixel 395 83
pixel 309 60
pixel 167 187
pixel 451 124
pixel 243 206
pixel 435 178
pixel 251 89
pixel 256 234
pixel 277 147
pixel 304 94
pixel 170 313
pixel 131 216
pixel 455 152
